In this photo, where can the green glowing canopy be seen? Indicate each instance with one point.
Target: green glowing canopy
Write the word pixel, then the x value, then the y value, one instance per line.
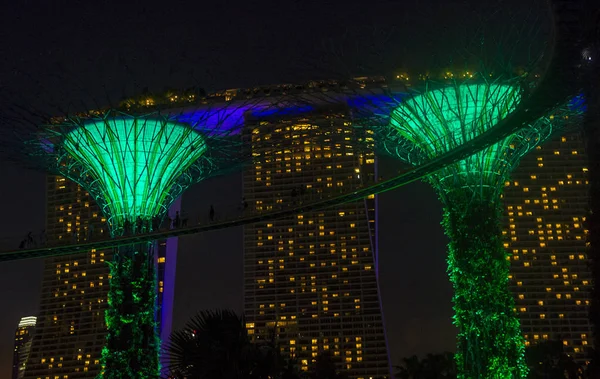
pixel 437 121
pixel 132 163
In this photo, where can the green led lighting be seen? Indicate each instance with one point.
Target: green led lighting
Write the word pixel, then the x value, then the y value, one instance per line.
pixel 134 167
pixel 132 164
pixel 490 343
pixel 132 343
pixel 440 120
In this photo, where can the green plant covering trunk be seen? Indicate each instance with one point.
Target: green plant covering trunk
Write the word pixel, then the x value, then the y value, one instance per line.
pixel 132 342
pixel 440 119
pixel 490 343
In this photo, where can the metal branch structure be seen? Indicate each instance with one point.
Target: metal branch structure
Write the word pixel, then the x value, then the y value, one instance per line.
pixel 133 166
pixel 438 119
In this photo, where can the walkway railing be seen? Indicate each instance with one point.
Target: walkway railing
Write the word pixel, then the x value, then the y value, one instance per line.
pixel 558 83
pixel 540 103
pixel 225 215
pixel 520 118
pixel 310 202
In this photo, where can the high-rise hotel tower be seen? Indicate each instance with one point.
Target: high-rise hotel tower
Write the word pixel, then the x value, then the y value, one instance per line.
pixel 546 206
pixel 23 337
pixel 311 280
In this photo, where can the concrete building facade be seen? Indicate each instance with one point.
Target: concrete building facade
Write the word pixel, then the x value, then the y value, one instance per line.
pixel 546 206
pixel 310 281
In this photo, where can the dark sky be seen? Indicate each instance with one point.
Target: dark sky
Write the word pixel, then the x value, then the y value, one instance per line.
pixel 77 54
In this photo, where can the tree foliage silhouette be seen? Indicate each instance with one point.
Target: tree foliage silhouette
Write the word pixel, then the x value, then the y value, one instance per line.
pixel 325 367
pixel 547 360
pixel 215 345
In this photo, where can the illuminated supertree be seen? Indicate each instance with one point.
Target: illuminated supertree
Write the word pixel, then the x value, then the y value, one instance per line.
pixel 134 165
pixel 431 122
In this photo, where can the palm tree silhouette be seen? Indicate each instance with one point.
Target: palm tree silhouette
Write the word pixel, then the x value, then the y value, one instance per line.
pixel 215 345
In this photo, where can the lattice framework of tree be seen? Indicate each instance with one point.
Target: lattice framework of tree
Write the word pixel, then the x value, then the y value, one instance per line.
pixel 132 166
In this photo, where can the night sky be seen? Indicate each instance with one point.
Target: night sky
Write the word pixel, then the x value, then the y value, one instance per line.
pixel 78 54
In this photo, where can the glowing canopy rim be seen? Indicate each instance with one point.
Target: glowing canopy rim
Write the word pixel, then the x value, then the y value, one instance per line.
pixel 436 121
pixel 131 164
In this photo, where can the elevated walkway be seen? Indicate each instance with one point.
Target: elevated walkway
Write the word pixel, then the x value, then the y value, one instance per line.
pixel 518 119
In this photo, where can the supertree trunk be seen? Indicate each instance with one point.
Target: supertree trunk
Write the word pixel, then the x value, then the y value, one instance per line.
pixel 490 343
pixel 132 343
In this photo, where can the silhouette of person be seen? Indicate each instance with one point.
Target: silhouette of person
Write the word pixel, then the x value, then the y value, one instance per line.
pixel 127 226
pixel 155 223
pixel 30 240
pixel 138 223
pixel 211 213
pixel 43 238
pixel 177 221
pixel 244 204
